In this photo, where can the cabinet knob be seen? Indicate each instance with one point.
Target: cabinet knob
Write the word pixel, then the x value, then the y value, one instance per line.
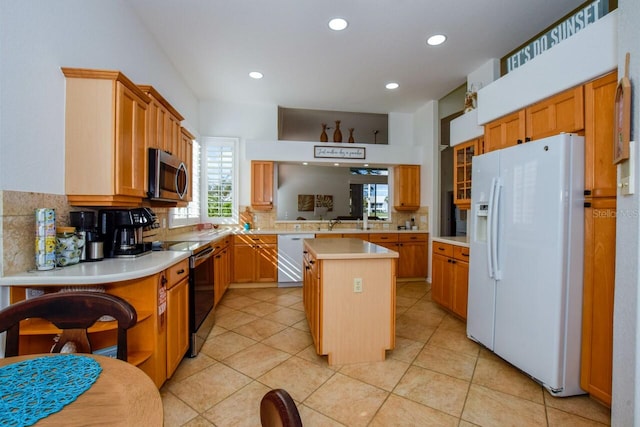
pixel 519 141
pixel 527 139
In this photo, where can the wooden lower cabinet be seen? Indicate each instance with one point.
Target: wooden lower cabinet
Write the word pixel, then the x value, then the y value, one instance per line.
pixel 414 255
pixel 450 277
pixel 221 268
pixel 255 258
pixel 412 248
pixel 177 324
pixel 149 341
pixel 312 299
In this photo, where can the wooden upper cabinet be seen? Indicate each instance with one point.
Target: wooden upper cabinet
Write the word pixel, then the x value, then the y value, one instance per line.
pixel 262 185
pixel 462 156
pixel 406 188
pixel 105 139
pixel 186 154
pixel 599 170
pixel 163 123
pixel 563 112
pixel 505 131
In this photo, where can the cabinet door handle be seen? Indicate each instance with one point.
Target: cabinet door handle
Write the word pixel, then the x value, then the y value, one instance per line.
pixel 527 139
pixel 587 192
pixel 312 262
pixel 519 141
pixel 463 254
pixel 587 204
pixel 181 271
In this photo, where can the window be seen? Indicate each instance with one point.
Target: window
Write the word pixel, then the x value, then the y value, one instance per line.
pixel 189 215
pixel 369 190
pixel 220 180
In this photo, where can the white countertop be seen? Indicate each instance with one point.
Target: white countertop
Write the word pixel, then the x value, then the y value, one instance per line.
pixel 453 240
pixel 341 248
pixel 94 273
pixel 120 269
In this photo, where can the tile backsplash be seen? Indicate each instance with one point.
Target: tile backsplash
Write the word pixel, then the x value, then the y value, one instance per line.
pixel 17 228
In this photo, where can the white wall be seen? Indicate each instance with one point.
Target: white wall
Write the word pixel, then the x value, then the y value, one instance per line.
pixel 626 321
pixel 258 124
pixel 37 37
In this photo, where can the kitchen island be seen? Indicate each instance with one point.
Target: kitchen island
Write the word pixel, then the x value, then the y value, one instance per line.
pixel 349 298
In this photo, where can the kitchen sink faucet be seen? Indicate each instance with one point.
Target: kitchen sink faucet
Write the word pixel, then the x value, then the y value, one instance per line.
pixel 332 223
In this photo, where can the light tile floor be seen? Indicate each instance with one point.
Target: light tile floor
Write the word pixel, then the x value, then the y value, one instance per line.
pixel 434 377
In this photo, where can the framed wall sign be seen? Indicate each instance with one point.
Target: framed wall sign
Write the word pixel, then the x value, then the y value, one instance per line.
pixel 622 117
pixel 333 152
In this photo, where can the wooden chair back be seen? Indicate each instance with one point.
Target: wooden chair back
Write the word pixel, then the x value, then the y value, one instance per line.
pixel 277 409
pixel 73 313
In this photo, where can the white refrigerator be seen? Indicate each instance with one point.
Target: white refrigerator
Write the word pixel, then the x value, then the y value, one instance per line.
pixel 526 264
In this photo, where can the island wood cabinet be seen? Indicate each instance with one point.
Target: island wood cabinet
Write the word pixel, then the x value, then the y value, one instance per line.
pixel 177 318
pixel 255 258
pixel 462 157
pixel 347 324
pixel 563 112
pixel 450 277
pixel 105 139
pixel 159 330
pixel 406 187
pixel 413 250
pixel 599 239
pixel 262 185
pixel 312 297
pixel 221 267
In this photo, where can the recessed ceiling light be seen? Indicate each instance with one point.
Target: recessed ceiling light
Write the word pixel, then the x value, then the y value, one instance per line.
pixel 437 39
pixel 392 85
pixel 255 75
pixel 338 24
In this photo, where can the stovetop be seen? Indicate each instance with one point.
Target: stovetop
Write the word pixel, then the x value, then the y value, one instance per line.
pixel 193 247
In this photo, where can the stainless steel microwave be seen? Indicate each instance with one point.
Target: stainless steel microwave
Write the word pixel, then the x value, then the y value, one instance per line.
pixel 168 176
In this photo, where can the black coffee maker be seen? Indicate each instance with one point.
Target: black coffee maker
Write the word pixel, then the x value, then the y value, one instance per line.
pixel 121 231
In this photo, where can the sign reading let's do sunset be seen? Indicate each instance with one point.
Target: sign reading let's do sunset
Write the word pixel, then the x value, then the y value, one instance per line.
pixel 586 15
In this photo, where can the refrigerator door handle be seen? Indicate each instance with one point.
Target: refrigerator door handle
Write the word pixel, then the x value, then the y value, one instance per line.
pixel 497 272
pixel 492 195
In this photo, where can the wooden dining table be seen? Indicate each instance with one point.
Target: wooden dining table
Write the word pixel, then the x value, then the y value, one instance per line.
pixel 122 395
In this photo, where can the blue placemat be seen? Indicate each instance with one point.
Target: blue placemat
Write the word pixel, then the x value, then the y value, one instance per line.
pixel 33 389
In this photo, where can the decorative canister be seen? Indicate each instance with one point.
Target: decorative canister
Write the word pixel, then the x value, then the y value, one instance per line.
pixel 68 246
pixel 45 238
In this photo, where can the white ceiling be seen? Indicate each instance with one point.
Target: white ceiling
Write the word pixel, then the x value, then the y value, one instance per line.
pixel 214 44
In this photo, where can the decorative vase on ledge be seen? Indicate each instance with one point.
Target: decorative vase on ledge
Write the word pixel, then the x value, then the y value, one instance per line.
pixel 337 134
pixel 323 135
pixel 351 140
